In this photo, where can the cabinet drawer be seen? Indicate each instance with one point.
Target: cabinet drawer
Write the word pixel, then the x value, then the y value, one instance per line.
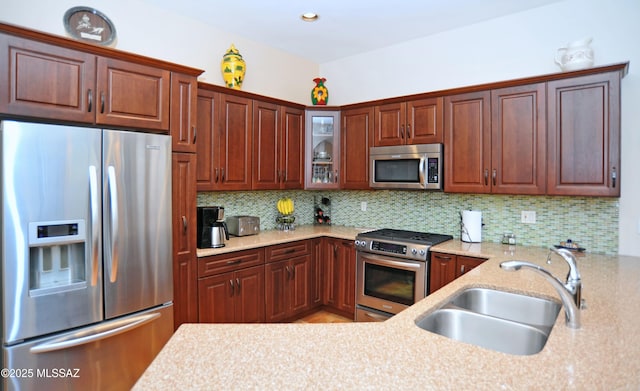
pixel 287 251
pixel 229 262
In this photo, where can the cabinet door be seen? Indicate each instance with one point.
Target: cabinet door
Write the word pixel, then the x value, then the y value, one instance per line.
pixel 185 268
pixel 300 285
pixel 331 272
pixel 357 127
pixel 132 95
pixel 235 143
pixel 250 295
pixel 347 270
pixel 464 264
pixel 216 301
pixel 389 124
pixel 322 149
pixel 292 148
pixel 182 126
pixel 46 81
pixel 467 142
pixel 277 275
pixel 584 135
pixel 424 123
pixel 266 167
pixel 442 270
pixel 207 145
pixel 518 140
pixel 317 272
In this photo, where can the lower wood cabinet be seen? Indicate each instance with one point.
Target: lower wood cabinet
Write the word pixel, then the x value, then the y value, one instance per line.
pixel 288 280
pixel 447 267
pixel 340 276
pixel 231 288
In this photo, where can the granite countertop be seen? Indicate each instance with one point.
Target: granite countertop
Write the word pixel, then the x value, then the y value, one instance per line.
pixel 604 354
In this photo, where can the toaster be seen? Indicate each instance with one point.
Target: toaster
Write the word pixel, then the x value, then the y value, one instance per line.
pixel 243 225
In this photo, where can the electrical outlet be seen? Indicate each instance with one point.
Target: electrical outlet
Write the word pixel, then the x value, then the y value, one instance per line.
pixel 363 206
pixel 528 217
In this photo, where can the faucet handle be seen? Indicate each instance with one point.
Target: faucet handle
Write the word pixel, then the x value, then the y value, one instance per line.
pixel 574 274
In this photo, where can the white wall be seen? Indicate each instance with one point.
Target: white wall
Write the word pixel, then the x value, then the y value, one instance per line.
pixel 516 46
pixel 156 33
pixel 520 45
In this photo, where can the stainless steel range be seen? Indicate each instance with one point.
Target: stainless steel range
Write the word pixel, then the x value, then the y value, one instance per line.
pixel 392 271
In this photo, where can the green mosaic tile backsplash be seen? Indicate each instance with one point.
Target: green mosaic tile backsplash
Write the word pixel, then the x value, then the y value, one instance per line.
pixel 592 222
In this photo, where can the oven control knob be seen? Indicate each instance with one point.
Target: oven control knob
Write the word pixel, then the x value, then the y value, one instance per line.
pixel 422 252
pixel 414 251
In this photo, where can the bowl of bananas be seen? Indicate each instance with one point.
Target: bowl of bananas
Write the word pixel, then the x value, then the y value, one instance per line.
pixel 285 221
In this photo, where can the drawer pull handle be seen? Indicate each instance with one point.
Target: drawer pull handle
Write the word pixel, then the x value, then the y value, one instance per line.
pixel 234 262
pixel 231 285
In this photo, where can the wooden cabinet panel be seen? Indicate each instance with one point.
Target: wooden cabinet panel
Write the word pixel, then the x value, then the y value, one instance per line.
pixel 184 239
pixel 276 291
pixel 182 126
pixel 413 122
pixel 442 270
pixel 518 140
pixel 357 127
pixel 340 274
pixel 235 141
pixel 287 251
pixel 229 262
pixel 266 139
pixel 207 145
pixel 445 268
pixel 132 95
pixel 292 148
pixel 317 274
pixel 29 69
pixel 425 119
pixel 216 299
pixel 584 135
pixel 250 295
pixel 467 140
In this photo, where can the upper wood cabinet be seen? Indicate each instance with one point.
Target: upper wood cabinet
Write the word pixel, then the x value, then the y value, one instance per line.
pixel 495 141
pixel 467 142
pixel 413 122
pixel 278 147
pixel 357 128
pixel 224 146
pixel 584 135
pixel 53 82
pixel 184 95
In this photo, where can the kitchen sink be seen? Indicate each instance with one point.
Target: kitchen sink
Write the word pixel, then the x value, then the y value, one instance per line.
pixel 486 331
pixel 502 321
pixel 534 311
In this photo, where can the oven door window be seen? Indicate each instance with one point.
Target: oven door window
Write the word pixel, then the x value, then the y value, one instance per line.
pixel 390 283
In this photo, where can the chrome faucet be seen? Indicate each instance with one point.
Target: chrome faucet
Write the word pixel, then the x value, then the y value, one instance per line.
pixel 569 293
pixel 574 282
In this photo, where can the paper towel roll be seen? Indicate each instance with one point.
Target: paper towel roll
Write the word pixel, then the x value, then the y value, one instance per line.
pixel 471 226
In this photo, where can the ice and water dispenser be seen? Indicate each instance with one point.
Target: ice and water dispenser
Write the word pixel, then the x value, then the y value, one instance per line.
pixel 56 256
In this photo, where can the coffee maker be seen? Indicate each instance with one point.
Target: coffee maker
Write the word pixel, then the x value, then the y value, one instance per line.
pixel 212 230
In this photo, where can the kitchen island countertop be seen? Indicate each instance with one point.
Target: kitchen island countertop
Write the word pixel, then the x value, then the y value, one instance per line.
pixel 604 354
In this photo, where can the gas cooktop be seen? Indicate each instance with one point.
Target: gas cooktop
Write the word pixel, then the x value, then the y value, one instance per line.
pixel 398 235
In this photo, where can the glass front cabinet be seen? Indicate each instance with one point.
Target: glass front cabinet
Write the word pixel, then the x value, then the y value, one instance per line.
pixel 323 149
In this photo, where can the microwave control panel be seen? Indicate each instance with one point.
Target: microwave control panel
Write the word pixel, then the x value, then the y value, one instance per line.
pixel 432 170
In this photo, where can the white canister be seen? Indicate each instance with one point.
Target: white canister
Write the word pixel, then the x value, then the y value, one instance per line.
pixel 471 226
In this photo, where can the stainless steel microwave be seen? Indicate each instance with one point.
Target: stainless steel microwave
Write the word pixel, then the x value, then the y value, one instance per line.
pixel 409 167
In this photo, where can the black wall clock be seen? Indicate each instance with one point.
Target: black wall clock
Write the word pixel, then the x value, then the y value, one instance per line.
pixel 89 25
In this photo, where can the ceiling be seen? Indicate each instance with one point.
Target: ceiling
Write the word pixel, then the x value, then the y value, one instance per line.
pixel 344 27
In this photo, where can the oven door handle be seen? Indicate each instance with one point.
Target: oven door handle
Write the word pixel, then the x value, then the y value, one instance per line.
pixel 385 261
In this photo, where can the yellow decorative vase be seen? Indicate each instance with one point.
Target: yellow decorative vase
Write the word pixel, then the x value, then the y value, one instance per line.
pixel 233 68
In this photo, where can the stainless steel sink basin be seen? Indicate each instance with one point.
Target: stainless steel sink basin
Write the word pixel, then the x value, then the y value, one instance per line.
pixel 502 321
pixel 485 331
pixel 531 310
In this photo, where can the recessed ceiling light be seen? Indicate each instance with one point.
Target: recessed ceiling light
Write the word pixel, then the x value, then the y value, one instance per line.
pixel 309 16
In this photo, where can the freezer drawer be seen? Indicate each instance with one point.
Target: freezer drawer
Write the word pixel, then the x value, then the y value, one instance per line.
pixel 108 356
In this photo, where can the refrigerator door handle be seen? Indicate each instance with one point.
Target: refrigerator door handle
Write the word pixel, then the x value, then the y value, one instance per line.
pixel 95 219
pixel 113 203
pixel 97 333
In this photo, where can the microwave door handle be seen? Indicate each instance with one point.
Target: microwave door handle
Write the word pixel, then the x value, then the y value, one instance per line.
pixel 423 181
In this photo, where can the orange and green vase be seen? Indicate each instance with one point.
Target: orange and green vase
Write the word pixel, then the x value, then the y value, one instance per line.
pixel 319 94
pixel 233 68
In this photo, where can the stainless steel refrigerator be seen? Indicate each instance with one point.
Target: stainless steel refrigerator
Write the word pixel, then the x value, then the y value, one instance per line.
pixel 86 271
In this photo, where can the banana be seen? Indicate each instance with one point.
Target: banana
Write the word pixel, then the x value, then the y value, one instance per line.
pixel 285 206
